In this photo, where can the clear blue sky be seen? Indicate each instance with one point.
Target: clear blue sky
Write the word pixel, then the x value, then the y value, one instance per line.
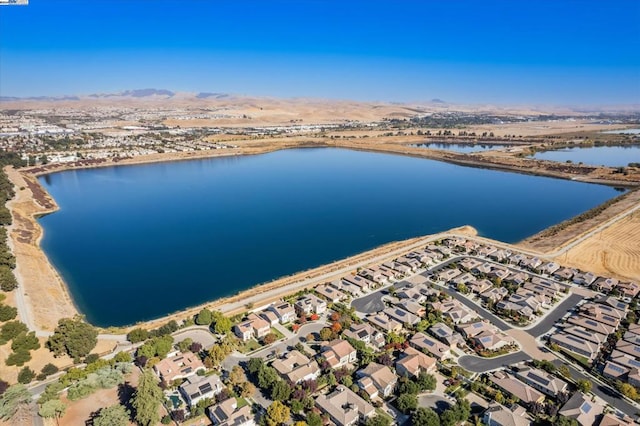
pixel 510 51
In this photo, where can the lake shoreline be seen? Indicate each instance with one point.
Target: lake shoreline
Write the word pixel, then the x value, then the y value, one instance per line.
pixel 44 204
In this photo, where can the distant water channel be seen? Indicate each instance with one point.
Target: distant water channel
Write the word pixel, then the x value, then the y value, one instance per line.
pixel 611 156
pixel 461 147
pixel 138 242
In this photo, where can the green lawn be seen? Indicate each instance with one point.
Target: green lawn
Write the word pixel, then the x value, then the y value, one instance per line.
pixel 241 402
pixel 249 346
pixel 277 333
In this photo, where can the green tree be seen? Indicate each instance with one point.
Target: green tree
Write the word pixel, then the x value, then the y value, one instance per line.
pixel 280 391
pixel 137 335
pixel 73 337
pixel 220 323
pixel 25 342
pixel 267 376
pixel 7 279
pixel 11 329
pixel 407 402
pixel 565 421
pixel 378 421
pixel 115 415
pixel 147 399
pixel 122 357
pixel 14 403
pixel 584 385
pixel 564 370
pixel 7 312
pixel 26 375
pixel 18 358
pixel 237 376
pixel 204 317
pixel 314 419
pixel 425 417
pixel 627 390
pixel 427 382
pixel 277 414
pixel 254 365
pixel 52 409
pixel 49 369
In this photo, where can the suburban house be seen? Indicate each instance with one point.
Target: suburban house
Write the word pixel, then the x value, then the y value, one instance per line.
pixel 227 413
pixel 494 295
pixel 523 310
pixel 344 407
pixel 411 263
pixel 550 268
pixel 629 289
pixel 500 255
pixel 367 334
pixel 402 316
pixel 485 251
pixel 447 275
pixel 469 263
pixel 517 278
pixel 479 286
pixel 295 367
pixel 178 366
pixel 413 362
pixel 412 307
pixel 586 278
pixel 285 312
pixel 339 353
pixel 445 334
pixel 455 311
pixel 347 287
pixel 615 303
pixel 197 388
pixel 585 334
pixel 575 344
pixel 413 294
pixel 628 348
pixel 499 272
pixel 403 269
pixel 330 293
pixel 464 278
pixel 385 323
pixel 484 268
pixel 499 415
pixel 564 274
pixel 253 326
pixel 543 381
pixel 364 284
pixel 590 324
pixel 310 304
pixel 269 317
pixel 515 387
pixel 492 340
pixel 377 380
pixel 582 409
pixel 472 330
pixel 610 419
pixel 425 343
pixel 375 275
pixel 605 284
pixel 615 371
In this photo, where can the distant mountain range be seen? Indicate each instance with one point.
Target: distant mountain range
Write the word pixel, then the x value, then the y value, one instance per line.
pixel 39 98
pixel 137 93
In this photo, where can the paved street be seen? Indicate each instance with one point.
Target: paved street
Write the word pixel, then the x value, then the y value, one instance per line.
pixel 477 364
pixel 547 322
pixel 198 334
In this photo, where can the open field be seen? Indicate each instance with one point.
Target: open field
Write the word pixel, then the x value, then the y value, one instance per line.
pixel 613 252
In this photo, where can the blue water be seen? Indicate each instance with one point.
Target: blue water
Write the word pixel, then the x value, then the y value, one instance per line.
pixel 138 242
pixel 611 156
pixel 461 147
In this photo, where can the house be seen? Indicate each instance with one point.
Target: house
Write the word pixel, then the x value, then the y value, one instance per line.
pixel 588 335
pixel 604 309
pixel 516 259
pixel 485 251
pixel 178 366
pixel 508 306
pixel 485 268
pixel 517 278
pixel 455 311
pixel 285 312
pixel 499 272
pixel 244 331
pixel 445 334
pixel 427 344
pixel 339 353
pixel 564 274
pixel 411 263
pixel 310 304
pixel 330 293
pixel 479 286
pixel 615 303
pixel 532 301
pixel 585 279
pixel 421 257
pixel 269 317
pixel 615 371
pixel 402 316
pixel 197 388
pixel 400 267
pixel 550 268
pixel 346 287
pixel 469 263
pixel 464 278
pixel 227 413
pixel 628 348
pixel 447 275
pixel 494 295
pixel 377 380
pixel 605 284
pixel 295 367
pixel 413 362
pixel 500 255
pixel 364 284
pixel 629 289
pixel 492 340
pixel 344 407
pixel 625 360
pixel 542 381
pixel 530 262
pixel 611 419
pixel 259 326
pixel 412 307
pixel 582 409
pixel 511 385
pixel 475 328
pixel 413 294
pixel 589 324
pixel 631 337
pixel 385 323
pixel 499 415
pixel 576 344
pixel 365 333
pixel 375 274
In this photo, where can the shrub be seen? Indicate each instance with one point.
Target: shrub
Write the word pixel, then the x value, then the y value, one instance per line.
pixel 26 375
pixel 7 312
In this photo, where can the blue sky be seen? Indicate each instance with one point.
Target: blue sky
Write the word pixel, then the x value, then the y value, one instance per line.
pixel 545 51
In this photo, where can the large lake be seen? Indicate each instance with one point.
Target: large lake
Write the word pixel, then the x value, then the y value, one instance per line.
pixel 611 156
pixel 464 148
pixel 138 242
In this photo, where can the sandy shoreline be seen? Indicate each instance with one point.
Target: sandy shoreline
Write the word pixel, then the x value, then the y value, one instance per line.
pixel 35 273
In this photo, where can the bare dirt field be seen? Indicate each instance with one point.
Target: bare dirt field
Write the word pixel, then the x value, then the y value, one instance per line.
pixel 613 252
